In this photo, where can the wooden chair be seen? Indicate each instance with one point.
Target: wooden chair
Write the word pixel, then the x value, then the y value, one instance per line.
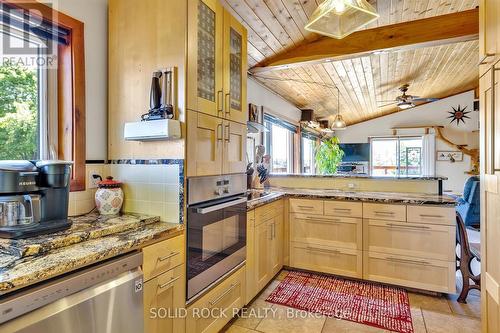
pixel 468 251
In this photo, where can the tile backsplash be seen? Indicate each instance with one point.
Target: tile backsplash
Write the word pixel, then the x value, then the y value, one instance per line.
pixel 153 187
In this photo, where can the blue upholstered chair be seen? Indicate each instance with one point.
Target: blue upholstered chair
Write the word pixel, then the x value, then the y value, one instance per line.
pixel 468 203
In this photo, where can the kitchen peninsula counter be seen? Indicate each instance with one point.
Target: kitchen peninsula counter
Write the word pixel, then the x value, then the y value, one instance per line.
pixel 91 239
pixel 362 196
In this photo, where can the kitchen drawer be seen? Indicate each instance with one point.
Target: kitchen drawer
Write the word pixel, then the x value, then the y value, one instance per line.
pixel 326 259
pixel 162 256
pixel 166 292
pixel 432 215
pixel 306 206
pixel 344 232
pixel 214 310
pixel 384 212
pixel 268 211
pixel 410 239
pixel 344 208
pixel 425 274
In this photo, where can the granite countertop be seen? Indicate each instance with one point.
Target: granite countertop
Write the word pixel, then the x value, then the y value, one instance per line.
pixel 94 238
pixel 363 176
pixel 375 197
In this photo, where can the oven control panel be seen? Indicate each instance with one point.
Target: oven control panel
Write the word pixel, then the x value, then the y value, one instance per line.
pixel 202 189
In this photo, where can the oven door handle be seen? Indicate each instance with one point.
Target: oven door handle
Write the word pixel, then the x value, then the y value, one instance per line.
pixel 220 206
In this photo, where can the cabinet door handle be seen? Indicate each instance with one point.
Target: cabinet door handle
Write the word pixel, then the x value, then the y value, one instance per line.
pixel 408 261
pixel 323 220
pixel 227 100
pixel 317 249
pixel 484 58
pixel 227 130
pixel 274 229
pixel 305 207
pixel 169 282
pixel 219 132
pixel 220 101
pixel 224 294
pixel 173 254
pixel 392 225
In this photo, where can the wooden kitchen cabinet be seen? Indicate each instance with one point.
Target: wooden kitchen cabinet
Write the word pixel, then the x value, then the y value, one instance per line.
pixel 265 235
pixel 217 62
pixel 164 286
pixel 235 69
pixel 204 144
pixel 211 312
pixel 235 147
pixel 205 57
pixel 489 34
pixel 163 297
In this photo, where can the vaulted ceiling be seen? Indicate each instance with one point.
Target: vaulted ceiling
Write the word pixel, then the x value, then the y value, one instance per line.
pixel 275 26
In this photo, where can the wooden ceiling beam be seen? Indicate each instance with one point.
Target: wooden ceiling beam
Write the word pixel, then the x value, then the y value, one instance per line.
pixel 437 30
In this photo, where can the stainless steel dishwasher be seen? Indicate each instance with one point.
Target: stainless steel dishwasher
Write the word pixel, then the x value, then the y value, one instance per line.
pixel 104 298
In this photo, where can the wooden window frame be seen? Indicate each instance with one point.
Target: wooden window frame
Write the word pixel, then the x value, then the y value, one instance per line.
pixel 70 89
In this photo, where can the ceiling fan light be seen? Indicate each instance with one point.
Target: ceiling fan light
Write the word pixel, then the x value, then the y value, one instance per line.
pixel 338 123
pixel 405 105
pixel 339 18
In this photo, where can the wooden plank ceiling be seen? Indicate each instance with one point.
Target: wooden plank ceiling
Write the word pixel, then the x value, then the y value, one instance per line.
pixel 438 71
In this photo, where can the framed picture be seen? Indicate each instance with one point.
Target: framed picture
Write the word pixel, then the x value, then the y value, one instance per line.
pixel 253 113
pixel 450 156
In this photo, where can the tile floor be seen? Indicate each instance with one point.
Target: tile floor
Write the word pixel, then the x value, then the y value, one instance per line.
pixel 430 315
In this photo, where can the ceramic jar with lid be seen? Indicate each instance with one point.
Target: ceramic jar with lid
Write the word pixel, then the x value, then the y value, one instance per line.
pixel 109 196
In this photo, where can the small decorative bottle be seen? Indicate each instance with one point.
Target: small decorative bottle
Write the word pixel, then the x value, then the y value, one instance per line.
pixel 109 197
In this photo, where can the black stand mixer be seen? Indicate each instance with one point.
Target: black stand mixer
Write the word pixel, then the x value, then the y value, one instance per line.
pixel 34 197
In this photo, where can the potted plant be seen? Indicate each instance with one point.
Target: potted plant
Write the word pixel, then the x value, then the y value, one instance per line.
pixel 328 156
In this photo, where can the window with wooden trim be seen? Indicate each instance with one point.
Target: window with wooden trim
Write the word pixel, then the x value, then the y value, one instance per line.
pixel 42 85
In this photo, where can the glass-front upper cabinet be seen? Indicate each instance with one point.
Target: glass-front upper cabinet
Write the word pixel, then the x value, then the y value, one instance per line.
pixel 235 69
pixel 205 57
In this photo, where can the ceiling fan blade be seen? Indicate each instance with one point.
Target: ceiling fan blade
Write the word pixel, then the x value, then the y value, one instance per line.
pixel 422 99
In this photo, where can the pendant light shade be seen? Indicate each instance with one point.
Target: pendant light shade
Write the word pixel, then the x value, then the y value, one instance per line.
pixel 338 122
pixel 339 18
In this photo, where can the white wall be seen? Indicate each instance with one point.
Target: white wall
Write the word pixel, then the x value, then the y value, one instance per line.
pixel 273 103
pixel 94 14
pixel 435 113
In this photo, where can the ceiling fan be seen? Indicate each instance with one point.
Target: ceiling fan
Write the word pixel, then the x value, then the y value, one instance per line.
pixel 406 101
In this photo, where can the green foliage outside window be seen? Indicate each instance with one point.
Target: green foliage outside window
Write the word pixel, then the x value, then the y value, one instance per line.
pixel 18 112
pixel 328 156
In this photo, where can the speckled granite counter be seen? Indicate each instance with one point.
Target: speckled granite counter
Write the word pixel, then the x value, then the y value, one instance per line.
pixel 376 197
pixel 363 176
pixel 94 239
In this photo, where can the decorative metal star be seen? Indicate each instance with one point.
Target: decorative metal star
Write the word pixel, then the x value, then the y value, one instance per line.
pixel 458 115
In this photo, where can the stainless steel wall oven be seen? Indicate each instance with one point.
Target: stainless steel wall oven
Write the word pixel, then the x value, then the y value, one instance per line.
pixel 216 229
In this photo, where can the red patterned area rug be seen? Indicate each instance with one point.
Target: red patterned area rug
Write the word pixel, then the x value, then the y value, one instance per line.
pixel 361 302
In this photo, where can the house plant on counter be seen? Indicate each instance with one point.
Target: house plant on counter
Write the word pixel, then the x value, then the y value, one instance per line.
pixel 328 156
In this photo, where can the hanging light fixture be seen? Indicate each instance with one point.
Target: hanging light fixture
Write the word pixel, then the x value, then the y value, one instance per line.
pixel 339 18
pixel 338 123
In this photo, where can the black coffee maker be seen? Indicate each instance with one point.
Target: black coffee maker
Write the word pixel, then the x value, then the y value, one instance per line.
pixel 34 197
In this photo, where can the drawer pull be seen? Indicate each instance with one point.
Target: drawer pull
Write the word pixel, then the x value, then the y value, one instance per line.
pixel 166 284
pixel 343 209
pixel 432 216
pixel 306 207
pixel 224 294
pixel 408 261
pixel 316 249
pixel 384 213
pixel 392 225
pixel 173 254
